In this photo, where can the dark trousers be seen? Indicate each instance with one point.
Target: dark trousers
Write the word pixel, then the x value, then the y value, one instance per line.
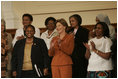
pixel 29 74
pixel 79 72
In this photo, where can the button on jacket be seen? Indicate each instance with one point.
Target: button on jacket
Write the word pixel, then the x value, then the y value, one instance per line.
pixel 62 50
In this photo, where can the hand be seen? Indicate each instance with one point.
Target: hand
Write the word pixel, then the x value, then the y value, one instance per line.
pixel 14 73
pixel 45 71
pixel 52 43
pixel 93 45
pixel 87 46
pixel 20 37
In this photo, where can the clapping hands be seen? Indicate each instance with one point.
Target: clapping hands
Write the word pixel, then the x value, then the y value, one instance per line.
pixel 88 46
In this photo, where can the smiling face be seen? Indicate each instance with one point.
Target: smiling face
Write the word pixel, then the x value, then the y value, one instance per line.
pixel 30 32
pixel 99 30
pixel 73 22
pixel 60 28
pixel 26 21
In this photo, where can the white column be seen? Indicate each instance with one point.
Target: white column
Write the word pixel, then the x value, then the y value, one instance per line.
pixel 8 15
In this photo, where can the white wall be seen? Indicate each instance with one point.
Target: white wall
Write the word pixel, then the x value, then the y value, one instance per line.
pixel 63 9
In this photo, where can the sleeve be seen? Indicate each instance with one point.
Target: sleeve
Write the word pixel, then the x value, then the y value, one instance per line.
pixel 42 35
pixel 90 44
pixel 45 54
pixel 68 46
pixel 9 41
pixel 14 57
pixel 108 44
pixel 9 52
pixel 51 51
pixel 37 33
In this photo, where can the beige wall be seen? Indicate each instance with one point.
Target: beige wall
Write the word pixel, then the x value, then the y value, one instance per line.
pixel 63 9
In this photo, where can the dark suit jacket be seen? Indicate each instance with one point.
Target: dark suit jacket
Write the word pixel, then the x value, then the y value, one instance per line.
pixel 39 55
pixel 78 55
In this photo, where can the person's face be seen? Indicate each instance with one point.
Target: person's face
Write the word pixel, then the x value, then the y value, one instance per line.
pixel 73 22
pixel 51 25
pixel 29 32
pixel 2 27
pixel 60 28
pixel 26 21
pixel 97 20
pixel 99 30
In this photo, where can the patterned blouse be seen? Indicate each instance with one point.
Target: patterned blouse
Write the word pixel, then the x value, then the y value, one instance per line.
pixel 5 47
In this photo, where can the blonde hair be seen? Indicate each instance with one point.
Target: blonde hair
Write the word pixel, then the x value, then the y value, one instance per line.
pixel 63 22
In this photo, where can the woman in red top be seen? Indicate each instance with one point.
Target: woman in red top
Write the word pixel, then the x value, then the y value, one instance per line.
pixel 61 49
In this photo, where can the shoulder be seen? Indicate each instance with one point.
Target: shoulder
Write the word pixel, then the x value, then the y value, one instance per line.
pixel 35 38
pixel 84 30
pixel 19 29
pixel 38 39
pixel 93 39
pixel 70 35
pixel 44 33
pixel 36 28
pixel 108 40
pixel 9 35
pixel 20 42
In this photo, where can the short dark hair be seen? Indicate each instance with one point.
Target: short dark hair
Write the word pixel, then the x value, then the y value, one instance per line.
pixel 28 15
pixel 105 29
pixel 28 27
pixel 78 18
pixel 48 19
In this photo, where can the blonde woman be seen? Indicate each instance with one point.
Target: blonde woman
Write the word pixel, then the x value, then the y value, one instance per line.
pixel 61 48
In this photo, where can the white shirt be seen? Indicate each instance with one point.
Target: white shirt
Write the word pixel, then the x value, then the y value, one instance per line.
pixel 75 31
pixel 96 62
pixel 45 36
pixel 20 32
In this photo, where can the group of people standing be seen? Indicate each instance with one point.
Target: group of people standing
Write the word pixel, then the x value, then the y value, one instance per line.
pixel 60 51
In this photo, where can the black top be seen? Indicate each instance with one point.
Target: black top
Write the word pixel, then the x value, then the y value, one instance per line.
pixel 80 63
pixel 39 55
